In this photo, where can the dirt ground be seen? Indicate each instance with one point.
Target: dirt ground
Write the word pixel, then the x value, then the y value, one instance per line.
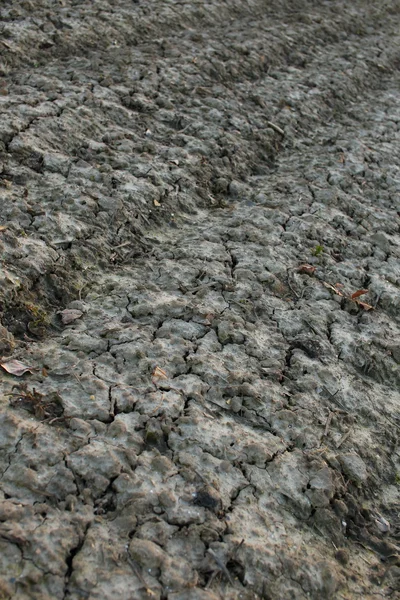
pixel 199 299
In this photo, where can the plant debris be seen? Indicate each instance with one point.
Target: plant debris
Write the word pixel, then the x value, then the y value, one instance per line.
pixel 307 269
pixel 69 315
pixel 16 367
pixel 43 407
pixel 352 297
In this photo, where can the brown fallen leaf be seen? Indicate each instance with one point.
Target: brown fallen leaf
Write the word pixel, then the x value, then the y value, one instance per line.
pixel 69 315
pixel 307 269
pixel 159 373
pixel 352 297
pixel 333 288
pixel 208 319
pixel 358 293
pixel 16 367
pixel 364 305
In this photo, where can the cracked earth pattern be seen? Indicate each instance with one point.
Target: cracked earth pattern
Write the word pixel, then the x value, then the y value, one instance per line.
pixel 200 274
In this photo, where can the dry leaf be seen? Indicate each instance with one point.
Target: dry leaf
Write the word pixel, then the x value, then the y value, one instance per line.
pixel 353 297
pixel 364 305
pixel 307 269
pixel 156 203
pixel 333 288
pixel 358 293
pixel 16 367
pixel 208 319
pixel 69 315
pixel 159 373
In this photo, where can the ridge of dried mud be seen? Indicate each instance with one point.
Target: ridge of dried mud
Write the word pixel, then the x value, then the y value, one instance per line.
pixel 204 417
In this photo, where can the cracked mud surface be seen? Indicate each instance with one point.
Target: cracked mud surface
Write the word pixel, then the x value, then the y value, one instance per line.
pixel 193 197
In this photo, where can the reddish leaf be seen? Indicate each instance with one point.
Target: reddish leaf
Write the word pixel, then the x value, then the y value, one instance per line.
pixel 307 269
pixel 358 293
pixel 364 305
pixel 16 367
pixel 68 315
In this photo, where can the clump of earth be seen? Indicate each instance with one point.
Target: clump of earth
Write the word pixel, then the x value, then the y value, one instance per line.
pixel 199 300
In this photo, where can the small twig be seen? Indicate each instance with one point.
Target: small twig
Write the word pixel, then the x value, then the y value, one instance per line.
pixel 276 128
pixel 138 574
pixel 200 476
pixel 80 591
pixel 199 287
pixel 236 550
pixel 50 421
pixel 327 424
pixel 121 245
pixel 159 405
pixel 40 492
pixel 221 566
pixel 81 290
pixel 342 410
pixel 344 438
pixel 212 577
pixel 298 296
pixel 331 395
pixel 290 286
pixel 311 326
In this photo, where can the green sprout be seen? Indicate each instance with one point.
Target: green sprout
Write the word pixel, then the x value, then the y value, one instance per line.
pixel 318 250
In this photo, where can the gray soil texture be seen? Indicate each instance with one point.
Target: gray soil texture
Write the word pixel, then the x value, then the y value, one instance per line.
pixel 199 299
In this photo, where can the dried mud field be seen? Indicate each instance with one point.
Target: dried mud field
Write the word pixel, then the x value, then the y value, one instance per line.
pixel 199 299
